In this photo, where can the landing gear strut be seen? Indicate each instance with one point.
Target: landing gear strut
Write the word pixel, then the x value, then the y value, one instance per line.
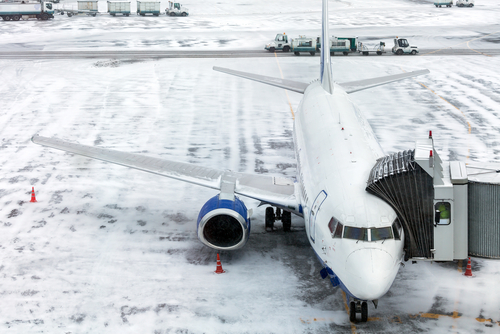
pixel 358 307
pixel 284 216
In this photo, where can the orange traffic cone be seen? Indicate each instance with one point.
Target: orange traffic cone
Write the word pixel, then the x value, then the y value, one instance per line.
pixel 33 198
pixel 468 270
pixel 219 269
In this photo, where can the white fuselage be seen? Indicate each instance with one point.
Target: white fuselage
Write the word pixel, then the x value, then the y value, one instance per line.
pixel 336 149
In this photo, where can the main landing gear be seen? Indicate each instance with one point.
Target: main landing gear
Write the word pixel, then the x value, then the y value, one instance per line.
pixel 284 216
pixel 358 307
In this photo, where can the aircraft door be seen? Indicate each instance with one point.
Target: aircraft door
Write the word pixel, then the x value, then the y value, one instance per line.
pixel 314 213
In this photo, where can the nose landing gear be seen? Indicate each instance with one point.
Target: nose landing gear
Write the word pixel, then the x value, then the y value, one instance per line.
pixel 358 307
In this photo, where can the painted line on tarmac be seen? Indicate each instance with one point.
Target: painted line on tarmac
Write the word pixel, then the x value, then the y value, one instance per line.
pixel 286 92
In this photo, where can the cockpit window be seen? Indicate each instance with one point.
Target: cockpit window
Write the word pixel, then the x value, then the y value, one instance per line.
pixel 381 233
pixel 356 233
pixel 338 231
pixel 396 229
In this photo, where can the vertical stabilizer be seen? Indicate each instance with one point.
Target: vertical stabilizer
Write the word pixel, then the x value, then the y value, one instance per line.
pixel 326 68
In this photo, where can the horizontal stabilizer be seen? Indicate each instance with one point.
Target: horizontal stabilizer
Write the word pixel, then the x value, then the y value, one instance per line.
pixel 294 86
pixel 355 86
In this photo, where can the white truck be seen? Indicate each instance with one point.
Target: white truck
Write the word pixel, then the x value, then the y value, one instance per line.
pixel 440 3
pixel 37 10
pixel 176 9
pixel 148 7
pixel 401 46
pixel 465 3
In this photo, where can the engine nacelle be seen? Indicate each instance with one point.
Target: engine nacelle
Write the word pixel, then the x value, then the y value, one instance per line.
pixel 224 224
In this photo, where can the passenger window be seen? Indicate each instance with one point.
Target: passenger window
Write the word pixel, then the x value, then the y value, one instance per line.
pixel 338 231
pixel 443 213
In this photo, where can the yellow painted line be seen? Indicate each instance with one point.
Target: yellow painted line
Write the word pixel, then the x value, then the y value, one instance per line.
pixel 474 39
pixel 353 328
pixel 484 54
pixel 286 92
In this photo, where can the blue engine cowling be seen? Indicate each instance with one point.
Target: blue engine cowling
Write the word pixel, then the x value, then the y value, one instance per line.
pixel 224 224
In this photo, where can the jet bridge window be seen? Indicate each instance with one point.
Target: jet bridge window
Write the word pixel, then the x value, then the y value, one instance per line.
pixel 381 233
pixel 443 216
pixel 356 233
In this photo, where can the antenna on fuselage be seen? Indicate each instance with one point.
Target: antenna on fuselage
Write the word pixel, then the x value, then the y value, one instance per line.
pixel 326 68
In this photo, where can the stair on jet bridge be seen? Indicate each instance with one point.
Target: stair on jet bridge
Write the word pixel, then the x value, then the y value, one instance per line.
pixel 403 184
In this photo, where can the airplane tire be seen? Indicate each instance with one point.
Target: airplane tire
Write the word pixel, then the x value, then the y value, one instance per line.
pixel 286 219
pixel 364 312
pixel 352 312
pixel 270 218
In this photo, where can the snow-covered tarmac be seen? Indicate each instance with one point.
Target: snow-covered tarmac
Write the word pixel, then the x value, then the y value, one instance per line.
pixel 112 250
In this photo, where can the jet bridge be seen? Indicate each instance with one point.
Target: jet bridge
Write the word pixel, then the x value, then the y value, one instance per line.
pixel 431 203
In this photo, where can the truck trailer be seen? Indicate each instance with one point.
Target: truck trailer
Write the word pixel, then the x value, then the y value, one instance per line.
pixel 36 10
pixel 148 7
pixel 119 7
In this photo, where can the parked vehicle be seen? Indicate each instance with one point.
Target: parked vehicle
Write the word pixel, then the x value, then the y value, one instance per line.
pixel 148 7
pixel 365 50
pixel 465 3
pixel 119 7
pixel 401 46
pixel 281 43
pixel 176 9
pixel 440 3
pixel 15 11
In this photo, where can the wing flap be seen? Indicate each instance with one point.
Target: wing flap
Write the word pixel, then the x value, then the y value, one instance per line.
pixel 294 86
pixel 356 86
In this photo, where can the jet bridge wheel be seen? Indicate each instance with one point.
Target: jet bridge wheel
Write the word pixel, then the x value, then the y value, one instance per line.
pixel 270 218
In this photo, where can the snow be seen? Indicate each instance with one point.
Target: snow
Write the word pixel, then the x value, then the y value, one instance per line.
pixel 108 249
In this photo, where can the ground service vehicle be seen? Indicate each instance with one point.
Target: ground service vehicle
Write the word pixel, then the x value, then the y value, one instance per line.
pixel 119 7
pixel 176 9
pixel 36 10
pixel 440 3
pixel 401 46
pixel 281 43
pixel 465 3
pixel 148 7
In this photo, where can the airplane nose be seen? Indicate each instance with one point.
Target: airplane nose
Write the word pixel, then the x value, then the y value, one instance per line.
pixel 371 273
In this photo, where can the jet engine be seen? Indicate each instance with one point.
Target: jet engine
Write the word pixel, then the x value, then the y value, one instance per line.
pixel 224 224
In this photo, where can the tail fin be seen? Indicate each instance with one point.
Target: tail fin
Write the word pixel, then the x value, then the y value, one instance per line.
pixel 326 69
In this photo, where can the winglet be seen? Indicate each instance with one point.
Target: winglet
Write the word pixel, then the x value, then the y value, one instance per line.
pixel 326 69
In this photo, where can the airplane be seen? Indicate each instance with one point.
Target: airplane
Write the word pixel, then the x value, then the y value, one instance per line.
pixel 356 236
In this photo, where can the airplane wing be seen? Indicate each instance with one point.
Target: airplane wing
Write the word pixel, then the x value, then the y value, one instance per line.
pixel 294 86
pixel 278 191
pixel 356 86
